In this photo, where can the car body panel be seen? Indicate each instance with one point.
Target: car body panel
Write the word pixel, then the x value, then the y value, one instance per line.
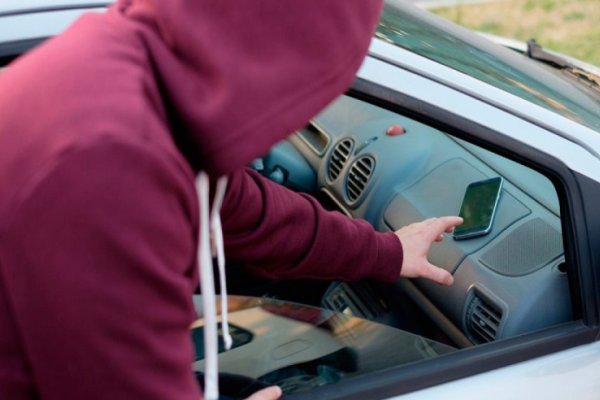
pixel 571 374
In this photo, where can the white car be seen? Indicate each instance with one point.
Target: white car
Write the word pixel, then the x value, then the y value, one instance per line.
pixel 434 109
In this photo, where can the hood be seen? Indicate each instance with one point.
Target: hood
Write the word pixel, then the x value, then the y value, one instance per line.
pixel 238 76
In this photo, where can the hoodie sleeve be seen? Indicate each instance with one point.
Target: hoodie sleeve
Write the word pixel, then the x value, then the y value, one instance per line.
pixel 101 276
pixel 281 234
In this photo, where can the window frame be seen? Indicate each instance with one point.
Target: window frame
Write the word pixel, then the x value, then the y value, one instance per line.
pixel 576 215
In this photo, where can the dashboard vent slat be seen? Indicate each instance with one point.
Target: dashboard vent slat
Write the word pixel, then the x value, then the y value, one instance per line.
pixel 339 157
pixel 353 191
pixel 483 319
pixel 359 176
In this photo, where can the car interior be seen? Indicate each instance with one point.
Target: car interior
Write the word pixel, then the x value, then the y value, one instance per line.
pixel 392 170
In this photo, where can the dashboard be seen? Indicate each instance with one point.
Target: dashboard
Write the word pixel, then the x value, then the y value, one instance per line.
pixel 371 163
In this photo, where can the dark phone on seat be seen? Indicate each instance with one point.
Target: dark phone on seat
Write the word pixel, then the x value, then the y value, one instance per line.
pixel 478 208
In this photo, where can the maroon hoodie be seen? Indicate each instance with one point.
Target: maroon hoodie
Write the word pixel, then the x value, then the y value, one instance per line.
pixel 102 132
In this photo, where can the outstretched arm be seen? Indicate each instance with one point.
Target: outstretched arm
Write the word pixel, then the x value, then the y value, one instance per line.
pixel 281 234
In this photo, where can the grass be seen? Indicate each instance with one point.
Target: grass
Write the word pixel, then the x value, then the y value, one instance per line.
pixel 569 26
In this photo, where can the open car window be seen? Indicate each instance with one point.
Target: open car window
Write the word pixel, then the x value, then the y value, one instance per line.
pixel 424 173
pixel 509 282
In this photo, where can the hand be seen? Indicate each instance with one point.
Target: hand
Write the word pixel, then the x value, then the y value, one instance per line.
pixel 416 240
pixel 270 393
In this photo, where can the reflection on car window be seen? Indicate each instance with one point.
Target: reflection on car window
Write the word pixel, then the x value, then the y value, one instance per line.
pixel 435 39
pixel 299 347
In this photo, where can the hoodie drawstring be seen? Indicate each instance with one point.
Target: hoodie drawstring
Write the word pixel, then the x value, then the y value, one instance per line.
pixel 217 235
pixel 210 224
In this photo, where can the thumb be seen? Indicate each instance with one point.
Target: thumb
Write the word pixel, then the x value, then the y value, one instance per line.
pixel 437 274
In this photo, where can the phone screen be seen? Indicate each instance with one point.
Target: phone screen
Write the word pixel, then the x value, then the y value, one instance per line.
pixel 478 208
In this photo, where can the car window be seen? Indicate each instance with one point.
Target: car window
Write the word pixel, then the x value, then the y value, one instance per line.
pixel 300 347
pixel 511 272
pixel 509 281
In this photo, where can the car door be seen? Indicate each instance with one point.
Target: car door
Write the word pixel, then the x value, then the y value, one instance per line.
pixel 540 363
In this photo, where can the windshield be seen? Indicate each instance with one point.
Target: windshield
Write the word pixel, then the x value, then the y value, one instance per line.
pixel 429 36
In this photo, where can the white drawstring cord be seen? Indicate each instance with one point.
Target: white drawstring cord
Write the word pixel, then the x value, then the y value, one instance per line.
pixel 217 235
pixel 207 285
pixel 210 222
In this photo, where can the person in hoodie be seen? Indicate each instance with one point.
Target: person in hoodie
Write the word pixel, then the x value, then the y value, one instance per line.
pixel 104 130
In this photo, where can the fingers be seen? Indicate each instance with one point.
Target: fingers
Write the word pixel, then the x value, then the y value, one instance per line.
pixel 270 393
pixel 437 226
pixel 437 275
pixel 416 242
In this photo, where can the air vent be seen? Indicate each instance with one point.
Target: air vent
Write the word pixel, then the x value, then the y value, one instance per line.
pixel 483 320
pixel 359 176
pixel 339 157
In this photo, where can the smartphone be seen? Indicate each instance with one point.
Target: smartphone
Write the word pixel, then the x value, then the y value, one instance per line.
pixel 478 208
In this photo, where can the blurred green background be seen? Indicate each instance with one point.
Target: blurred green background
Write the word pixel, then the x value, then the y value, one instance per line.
pixel 571 27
